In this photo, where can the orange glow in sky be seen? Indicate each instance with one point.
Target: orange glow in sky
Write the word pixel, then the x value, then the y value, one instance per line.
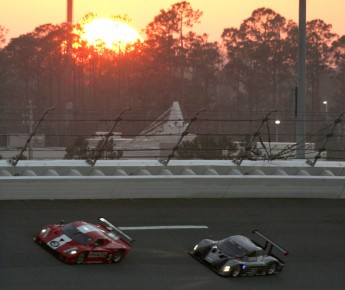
pixel 21 16
pixel 113 34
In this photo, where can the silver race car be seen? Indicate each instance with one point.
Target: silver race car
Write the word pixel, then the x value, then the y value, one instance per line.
pixel 240 256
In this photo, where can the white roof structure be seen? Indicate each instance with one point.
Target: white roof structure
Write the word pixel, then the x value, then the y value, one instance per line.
pixel 170 122
pixel 158 139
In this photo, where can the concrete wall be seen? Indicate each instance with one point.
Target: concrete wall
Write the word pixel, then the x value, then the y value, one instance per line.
pixel 180 179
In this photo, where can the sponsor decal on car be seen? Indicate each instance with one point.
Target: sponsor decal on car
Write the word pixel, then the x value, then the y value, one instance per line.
pixel 97 254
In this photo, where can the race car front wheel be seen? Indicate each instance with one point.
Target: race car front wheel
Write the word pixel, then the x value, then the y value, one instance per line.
pixel 235 272
pixel 271 269
pixel 117 256
pixel 81 258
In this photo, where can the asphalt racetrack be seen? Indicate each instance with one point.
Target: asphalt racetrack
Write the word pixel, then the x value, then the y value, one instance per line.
pixel 312 230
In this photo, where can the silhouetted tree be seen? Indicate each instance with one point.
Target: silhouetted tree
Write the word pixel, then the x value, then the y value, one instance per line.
pixel 204 62
pixel 3 32
pixel 319 51
pixel 339 63
pixel 258 62
pixel 169 40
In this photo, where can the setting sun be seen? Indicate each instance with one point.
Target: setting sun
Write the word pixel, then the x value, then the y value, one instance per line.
pixel 113 34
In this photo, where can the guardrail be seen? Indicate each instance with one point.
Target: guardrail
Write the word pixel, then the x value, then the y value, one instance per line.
pixel 114 179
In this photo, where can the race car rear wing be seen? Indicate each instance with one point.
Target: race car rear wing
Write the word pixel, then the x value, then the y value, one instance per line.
pixel 119 232
pixel 269 244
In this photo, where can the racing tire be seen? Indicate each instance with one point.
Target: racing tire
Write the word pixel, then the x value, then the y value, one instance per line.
pixel 117 256
pixel 81 258
pixel 235 272
pixel 272 268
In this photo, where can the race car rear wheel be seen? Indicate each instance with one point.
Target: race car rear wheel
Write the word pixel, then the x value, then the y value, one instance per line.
pixel 81 258
pixel 235 272
pixel 271 269
pixel 117 256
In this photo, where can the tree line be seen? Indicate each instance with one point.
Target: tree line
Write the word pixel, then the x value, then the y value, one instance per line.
pixel 250 71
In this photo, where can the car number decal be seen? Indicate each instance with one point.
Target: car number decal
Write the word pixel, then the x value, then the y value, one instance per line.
pixel 59 241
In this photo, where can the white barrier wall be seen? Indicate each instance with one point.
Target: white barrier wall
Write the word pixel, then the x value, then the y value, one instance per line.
pixel 180 179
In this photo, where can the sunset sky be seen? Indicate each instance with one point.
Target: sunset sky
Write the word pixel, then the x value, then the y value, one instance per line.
pixel 22 16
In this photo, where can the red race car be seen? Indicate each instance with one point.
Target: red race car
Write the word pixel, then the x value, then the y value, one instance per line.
pixel 81 242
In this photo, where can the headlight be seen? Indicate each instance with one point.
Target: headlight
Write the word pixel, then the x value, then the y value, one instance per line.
pixel 195 247
pixel 71 252
pixel 44 232
pixel 226 269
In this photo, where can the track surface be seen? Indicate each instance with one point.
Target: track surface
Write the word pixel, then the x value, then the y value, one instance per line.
pixel 313 231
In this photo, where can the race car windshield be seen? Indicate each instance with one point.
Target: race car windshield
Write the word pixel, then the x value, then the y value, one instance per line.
pixel 230 248
pixel 76 235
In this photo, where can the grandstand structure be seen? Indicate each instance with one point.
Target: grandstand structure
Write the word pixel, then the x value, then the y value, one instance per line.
pixel 153 142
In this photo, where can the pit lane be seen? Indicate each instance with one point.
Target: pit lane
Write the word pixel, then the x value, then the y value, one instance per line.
pixel 312 230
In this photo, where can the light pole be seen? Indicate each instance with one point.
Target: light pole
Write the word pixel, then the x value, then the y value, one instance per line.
pixel 301 83
pixel 70 12
pixel 277 122
pixel 326 106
